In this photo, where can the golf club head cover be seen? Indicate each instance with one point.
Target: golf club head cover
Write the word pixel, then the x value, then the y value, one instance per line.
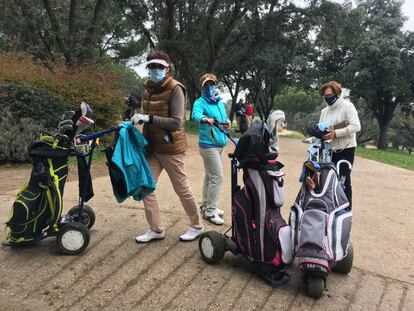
pixel 65 126
pixel 82 118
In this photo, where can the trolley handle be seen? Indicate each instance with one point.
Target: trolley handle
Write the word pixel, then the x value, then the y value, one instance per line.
pixel 94 136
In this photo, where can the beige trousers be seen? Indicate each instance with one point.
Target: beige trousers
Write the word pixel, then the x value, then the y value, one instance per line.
pixel 213 177
pixel 174 166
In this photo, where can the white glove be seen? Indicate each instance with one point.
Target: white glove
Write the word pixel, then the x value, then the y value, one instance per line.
pixel 139 118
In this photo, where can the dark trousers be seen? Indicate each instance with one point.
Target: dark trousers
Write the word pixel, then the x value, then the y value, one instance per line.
pixel 344 171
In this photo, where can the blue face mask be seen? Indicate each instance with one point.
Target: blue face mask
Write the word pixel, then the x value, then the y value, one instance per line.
pixel 209 91
pixel 331 100
pixel 156 75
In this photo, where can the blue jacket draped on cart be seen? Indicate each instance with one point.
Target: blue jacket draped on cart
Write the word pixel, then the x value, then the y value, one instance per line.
pixel 129 157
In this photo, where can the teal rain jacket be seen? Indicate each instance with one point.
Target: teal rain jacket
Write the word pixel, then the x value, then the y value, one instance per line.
pixel 209 136
pixel 130 157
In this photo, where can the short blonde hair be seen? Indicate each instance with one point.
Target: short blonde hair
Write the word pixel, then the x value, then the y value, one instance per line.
pixel 335 86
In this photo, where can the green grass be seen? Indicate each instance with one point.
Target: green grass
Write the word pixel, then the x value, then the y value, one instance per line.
pixel 388 156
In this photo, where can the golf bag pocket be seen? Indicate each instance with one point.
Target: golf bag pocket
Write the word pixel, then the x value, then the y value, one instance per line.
pixel 280 234
pixel 277 185
pixel 339 231
pixel 294 219
pixel 317 204
pixel 244 226
pixel 28 215
pixel 312 238
pixel 285 244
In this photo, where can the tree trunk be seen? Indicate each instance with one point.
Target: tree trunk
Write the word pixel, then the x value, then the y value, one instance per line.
pixel 382 139
pixel 90 39
pixel 290 117
pixel 191 95
pixel 56 30
pixel 71 25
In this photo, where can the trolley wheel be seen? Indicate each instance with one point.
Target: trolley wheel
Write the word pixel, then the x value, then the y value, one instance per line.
pixel 345 265
pixel 315 286
pixel 212 247
pixel 88 215
pixel 73 238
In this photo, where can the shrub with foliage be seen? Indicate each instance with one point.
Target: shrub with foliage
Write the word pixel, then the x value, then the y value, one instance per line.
pixel 369 127
pixel 401 132
pixel 96 85
pixel 15 135
pixel 29 102
pixel 303 121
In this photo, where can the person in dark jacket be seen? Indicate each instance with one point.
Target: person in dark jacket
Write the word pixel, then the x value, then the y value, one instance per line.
pixel 240 111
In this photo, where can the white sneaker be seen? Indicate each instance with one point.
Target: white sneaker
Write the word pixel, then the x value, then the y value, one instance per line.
pixel 191 234
pixel 150 235
pixel 213 217
pixel 220 212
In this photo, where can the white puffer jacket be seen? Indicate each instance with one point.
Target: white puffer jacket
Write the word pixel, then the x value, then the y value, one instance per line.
pixel 342 110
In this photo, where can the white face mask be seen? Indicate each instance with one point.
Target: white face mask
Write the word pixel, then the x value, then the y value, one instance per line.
pixel 157 75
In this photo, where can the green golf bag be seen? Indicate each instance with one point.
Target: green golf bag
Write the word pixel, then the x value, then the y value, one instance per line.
pixel 38 205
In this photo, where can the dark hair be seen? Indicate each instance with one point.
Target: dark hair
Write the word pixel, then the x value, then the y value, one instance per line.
pixel 335 86
pixel 157 54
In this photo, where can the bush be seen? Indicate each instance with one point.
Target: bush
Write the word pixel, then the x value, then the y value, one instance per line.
pixel 29 102
pixel 91 83
pixel 303 121
pixel 15 135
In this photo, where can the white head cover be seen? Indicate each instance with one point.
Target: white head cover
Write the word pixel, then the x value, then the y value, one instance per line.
pixel 158 61
pixel 274 121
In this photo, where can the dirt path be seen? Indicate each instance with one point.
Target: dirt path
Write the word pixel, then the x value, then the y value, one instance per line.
pixel 115 273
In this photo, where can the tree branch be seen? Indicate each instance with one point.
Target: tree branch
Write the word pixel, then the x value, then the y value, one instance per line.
pixel 91 32
pixel 71 25
pixel 56 30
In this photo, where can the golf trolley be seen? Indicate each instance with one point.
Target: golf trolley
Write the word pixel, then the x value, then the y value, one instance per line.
pixel 258 231
pixel 73 235
pixel 37 211
pixel 321 220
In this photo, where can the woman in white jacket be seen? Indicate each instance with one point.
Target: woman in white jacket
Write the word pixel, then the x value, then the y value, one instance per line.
pixel 343 117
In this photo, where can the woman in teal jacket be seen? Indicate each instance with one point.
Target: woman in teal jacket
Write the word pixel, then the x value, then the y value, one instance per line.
pixel 211 140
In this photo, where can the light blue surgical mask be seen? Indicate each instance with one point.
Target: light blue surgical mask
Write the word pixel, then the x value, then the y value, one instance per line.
pixel 156 75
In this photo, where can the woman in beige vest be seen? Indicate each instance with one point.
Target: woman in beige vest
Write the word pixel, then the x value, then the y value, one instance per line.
pixel 163 118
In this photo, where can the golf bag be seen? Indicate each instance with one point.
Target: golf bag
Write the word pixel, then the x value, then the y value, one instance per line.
pixel 320 218
pixel 259 230
pixel 38 205
pixel 39 202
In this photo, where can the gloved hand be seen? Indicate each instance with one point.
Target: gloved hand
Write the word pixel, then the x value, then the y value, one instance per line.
pixel 139 118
